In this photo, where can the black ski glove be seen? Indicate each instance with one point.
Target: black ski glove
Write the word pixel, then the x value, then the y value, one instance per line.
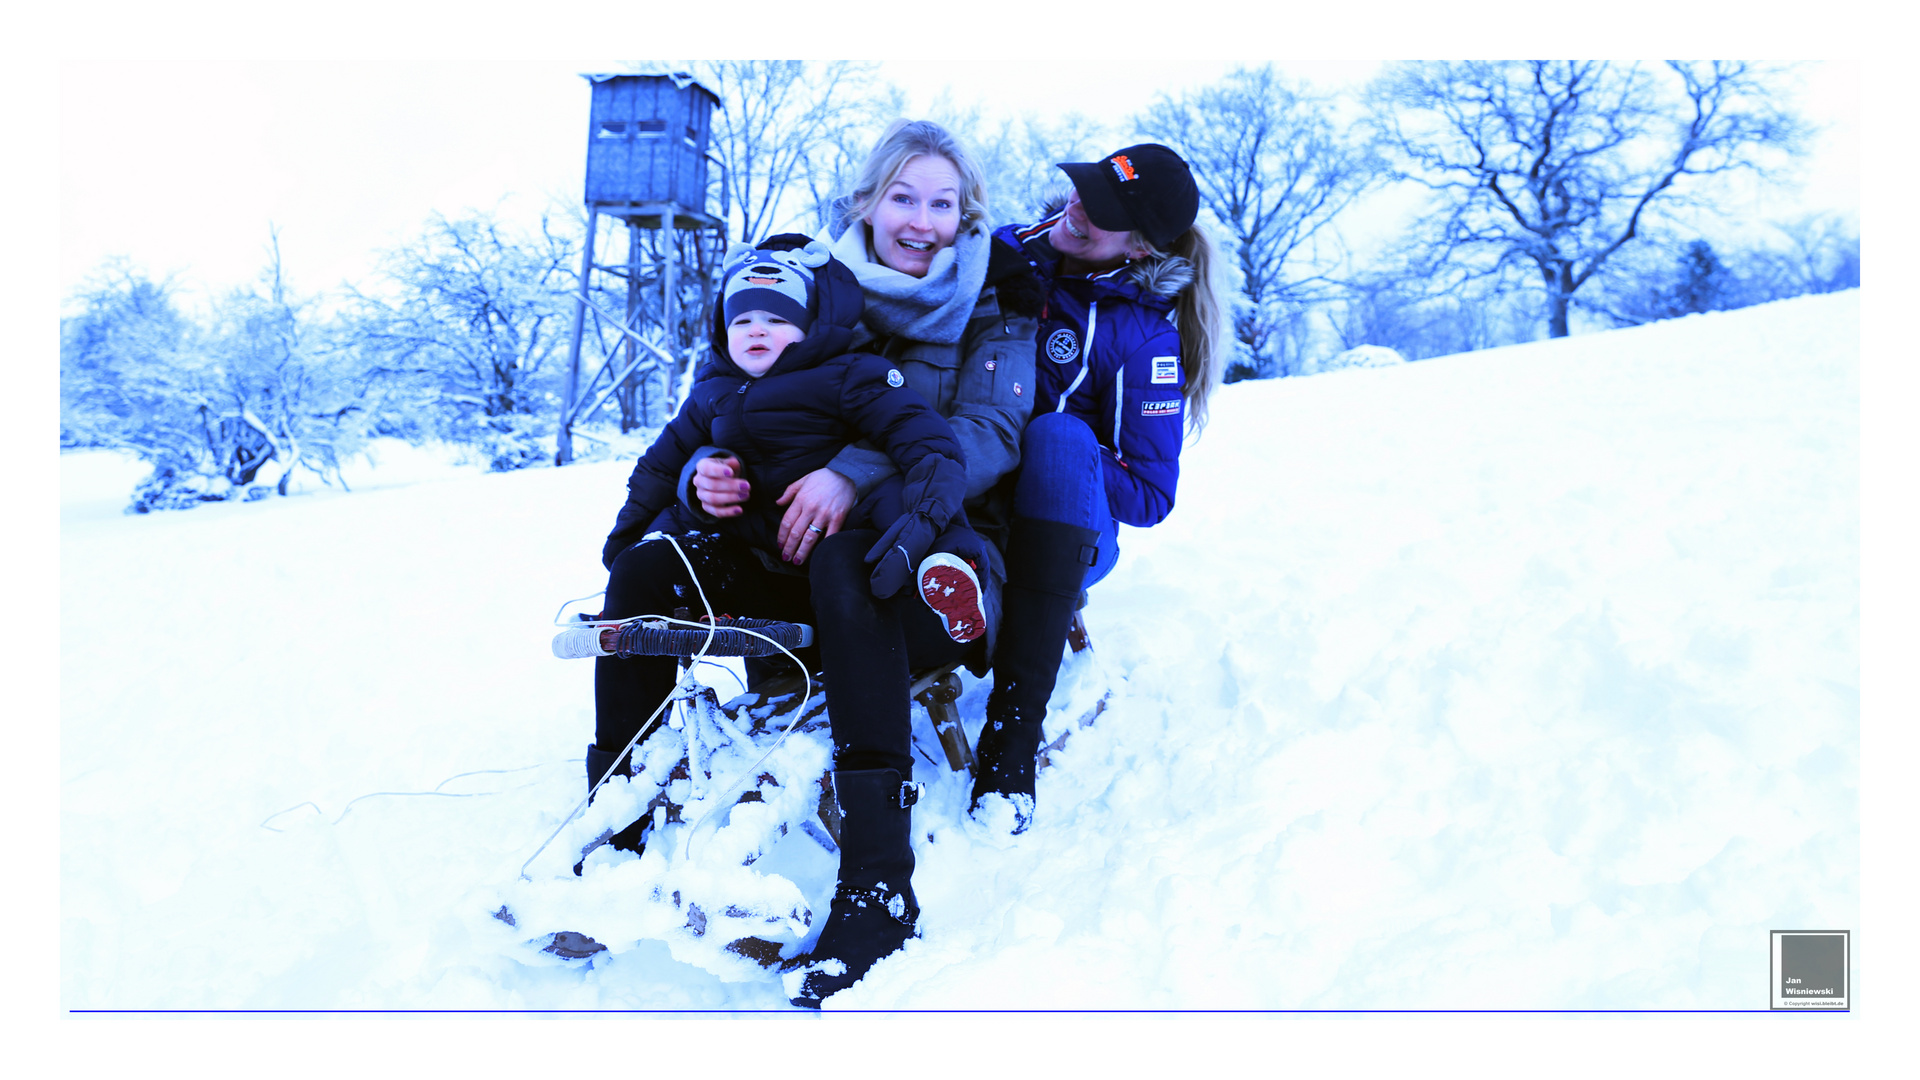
pixel 899 552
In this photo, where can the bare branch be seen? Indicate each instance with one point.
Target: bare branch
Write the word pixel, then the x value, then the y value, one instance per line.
pixel 1558 162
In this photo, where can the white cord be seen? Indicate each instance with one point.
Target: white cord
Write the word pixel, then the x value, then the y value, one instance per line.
pixel 687 688
pixel 436 791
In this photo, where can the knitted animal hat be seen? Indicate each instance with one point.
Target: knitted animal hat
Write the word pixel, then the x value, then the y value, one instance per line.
pixel 781 282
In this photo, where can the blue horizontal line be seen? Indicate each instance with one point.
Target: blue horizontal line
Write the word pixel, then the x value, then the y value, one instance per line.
pixel 808 1012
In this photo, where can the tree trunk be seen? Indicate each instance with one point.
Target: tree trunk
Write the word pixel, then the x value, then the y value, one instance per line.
pixel 1559 293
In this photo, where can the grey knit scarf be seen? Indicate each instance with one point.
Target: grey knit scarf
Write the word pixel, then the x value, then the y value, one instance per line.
pixel 934 308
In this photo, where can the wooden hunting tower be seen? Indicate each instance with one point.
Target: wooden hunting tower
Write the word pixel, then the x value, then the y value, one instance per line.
pixel 647 143
pixel 647 166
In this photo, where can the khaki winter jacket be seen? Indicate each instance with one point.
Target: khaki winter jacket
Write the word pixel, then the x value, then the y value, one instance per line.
pixel 983 384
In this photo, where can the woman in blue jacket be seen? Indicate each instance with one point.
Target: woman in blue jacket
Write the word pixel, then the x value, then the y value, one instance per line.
pixel 1128 353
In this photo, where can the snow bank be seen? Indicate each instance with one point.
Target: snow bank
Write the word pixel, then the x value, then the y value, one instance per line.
pixel 1525 678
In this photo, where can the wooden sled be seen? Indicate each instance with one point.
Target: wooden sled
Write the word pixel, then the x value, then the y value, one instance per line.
pixel 705 741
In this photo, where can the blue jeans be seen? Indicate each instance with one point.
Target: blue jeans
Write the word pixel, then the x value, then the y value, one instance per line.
pixel 1062 480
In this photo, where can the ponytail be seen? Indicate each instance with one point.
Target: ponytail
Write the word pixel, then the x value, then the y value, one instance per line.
pixel 1197 315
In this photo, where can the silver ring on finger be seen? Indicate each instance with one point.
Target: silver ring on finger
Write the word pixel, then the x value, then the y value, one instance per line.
pixel 815 529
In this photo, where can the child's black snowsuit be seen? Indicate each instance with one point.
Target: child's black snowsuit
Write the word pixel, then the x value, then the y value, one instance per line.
pixel 815 400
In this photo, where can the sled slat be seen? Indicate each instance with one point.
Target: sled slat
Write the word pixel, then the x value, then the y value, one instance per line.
pixel 939 698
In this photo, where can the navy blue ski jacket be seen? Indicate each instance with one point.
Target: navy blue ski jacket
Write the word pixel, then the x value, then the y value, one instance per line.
pixel 816 399
pixel 1109 354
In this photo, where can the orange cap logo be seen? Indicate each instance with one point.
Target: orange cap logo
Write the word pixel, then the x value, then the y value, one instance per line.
pixel 1122 167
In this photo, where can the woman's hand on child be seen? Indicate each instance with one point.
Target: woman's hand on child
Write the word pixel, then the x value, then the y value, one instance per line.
pixel 717 481
pixel 817 506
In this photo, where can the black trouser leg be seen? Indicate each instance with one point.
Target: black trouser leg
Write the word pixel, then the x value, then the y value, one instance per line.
pixel 1046 564
pixel 650 579
pixel 868 648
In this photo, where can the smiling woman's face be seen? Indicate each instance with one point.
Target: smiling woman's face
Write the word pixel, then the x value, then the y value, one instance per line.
pixel 918 215
pixel 1088 245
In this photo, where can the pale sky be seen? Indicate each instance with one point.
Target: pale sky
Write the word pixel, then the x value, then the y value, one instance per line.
pixel 181 165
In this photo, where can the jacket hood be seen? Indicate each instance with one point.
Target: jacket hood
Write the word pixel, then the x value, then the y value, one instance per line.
pixel 840 305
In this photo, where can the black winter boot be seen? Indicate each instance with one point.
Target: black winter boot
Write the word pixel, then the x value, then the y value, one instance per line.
pixel 1046 564
pixel 600 763
pixel 632 838
pixel 874 909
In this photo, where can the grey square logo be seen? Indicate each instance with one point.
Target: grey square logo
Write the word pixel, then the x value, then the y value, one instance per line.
pixel 1810 969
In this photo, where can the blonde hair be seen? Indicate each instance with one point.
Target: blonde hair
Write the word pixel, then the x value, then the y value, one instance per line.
pixel 903 141
pixel 1198 315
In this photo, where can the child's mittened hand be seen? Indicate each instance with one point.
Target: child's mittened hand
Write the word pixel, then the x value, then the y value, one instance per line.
pixel 898 552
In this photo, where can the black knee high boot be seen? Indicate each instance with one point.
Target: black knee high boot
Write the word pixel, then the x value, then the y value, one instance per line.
pixel 1046 565
pixel 874 909
pixel 600 763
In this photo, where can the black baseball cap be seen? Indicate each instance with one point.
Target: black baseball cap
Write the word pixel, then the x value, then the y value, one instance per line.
pixel 1145 188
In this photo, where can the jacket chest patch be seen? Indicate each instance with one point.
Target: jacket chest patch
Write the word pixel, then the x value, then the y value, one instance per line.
pixel 1166 369
pixel 1062 345
pixel 1160 408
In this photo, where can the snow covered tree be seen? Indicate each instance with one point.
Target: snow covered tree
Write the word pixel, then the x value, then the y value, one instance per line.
pixel 1275 170
pixel 477 320
pixel 118 347
pixel 1551 166
pixel 295 394
pixel 210 406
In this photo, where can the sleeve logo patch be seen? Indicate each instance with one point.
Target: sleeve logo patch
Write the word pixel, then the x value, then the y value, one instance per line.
pixel 1166 369
pixel 1160 408
pixel 1062 346
pixel 895 379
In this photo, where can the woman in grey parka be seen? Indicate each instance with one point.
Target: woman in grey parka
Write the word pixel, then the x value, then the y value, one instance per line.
pixel 957 312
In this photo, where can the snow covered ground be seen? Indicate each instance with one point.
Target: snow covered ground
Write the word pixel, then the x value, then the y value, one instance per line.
pixel 1520 679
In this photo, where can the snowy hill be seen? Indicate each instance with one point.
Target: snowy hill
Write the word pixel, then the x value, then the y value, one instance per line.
pixel 1520 679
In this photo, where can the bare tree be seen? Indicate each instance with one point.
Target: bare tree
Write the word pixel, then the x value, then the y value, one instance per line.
pixel 1551 166
pixel 832 166
pixel 1666 276
pixel 293 394
pixel 1818 253
pixel 1392 308
pixel 475 316
pixel 1275 170
pixel 208 406
pixel 779 122
pixel 121 343
pixel 1018 157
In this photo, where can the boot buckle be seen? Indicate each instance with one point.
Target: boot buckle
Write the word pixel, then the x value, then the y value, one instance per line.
pixel 910 792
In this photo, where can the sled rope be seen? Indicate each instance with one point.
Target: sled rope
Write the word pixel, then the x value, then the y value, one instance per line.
pixel 686 690
pixel 404 794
